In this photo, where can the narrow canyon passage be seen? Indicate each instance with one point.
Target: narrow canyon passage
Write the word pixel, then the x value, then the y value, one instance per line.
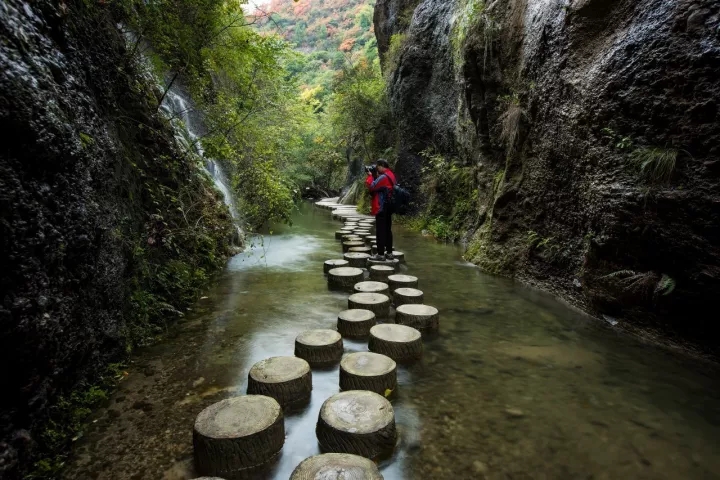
pixel 516 385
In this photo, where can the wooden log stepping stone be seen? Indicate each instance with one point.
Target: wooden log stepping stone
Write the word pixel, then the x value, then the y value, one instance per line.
pixel 236 434
pixel 344 277
pixel 319 348
pixel 351 237
pixel 399 342
pixel 359 250
pixel 390 263
pixel 399 255
pixel 380 273
pixel 357 259
pixel 336 263
pixel 336 466
pixel 377 303
pixel 286 379
pixel 402 296
pixel 355 323
pixel 402 281
pixel 357 421
pixel 368 371
pixel 352 243
pixel 424 318
pixel 369 240
pixel 372 287
pixel 339 234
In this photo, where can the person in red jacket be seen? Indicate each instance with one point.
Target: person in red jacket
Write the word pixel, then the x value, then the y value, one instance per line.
pixel 381 183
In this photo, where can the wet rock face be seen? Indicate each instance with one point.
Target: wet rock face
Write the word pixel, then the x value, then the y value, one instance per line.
pixel 596 88
pixel 67 96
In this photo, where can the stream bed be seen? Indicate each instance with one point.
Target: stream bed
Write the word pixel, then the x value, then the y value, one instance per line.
pixel 516 386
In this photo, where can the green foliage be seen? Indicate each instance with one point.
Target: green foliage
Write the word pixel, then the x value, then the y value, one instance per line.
pixel 471 23
pixel 617 141
pixel 645 285
pixel 392 57
pixel 655 164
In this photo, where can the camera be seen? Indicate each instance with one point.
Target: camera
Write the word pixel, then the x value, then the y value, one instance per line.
pixel 371 169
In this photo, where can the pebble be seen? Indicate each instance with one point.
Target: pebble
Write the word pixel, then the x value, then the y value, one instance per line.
pixel 514 413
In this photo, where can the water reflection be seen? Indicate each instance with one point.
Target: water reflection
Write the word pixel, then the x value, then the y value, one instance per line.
pixel 516 385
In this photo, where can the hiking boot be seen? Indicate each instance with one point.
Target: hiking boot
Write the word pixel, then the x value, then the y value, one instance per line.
pixel 378 258
pixel 389 256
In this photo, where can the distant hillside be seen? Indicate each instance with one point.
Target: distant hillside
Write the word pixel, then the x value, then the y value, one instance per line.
pixel 326 31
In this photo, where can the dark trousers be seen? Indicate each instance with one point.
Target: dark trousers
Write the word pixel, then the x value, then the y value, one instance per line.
pixel 383 233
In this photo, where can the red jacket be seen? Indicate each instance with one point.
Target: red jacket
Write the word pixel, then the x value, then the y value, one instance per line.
pixel 380 189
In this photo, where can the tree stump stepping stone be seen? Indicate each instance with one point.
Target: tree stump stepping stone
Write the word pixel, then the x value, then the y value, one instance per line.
pixel 404 295
pixel 357 259
pixel 344 277
pixel 390 263
pixel 355 323
pixel 358 422
pixel 380 273
pixel 372 287
pixel 286 379
pixel 399 255
pixel 424 318
pixel 320 347
pixel 351 238
pixel 339 234
pixel 336 263
pixel 336 466
pixel 352 243
pixel 377 303
pixel 360 250
pixel 399 342
pixel 237 434
pixel 369 240
pixel 402 281
pixel 368 371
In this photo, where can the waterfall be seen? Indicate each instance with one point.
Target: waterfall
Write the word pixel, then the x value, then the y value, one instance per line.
pixel 177 106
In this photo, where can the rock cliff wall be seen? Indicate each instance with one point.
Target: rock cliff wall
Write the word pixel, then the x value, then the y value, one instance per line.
pixel 99 245
pixel 592 131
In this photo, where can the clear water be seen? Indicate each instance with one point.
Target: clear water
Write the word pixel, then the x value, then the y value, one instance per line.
pixel 516 386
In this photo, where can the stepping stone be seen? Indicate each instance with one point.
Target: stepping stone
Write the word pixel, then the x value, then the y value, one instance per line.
pixel 330 264
pixel 353 243
pixel 402 281
pixel 377 303
pixel 339 234
pixel 319 347
pixel 368 371
pixel 369 240
pixel 336 466
pixel 344 277
pixel 399 255
pixel 357 259
pixel 399 342
pixel 286 379
pixel 355 323
pixel 424 318
pixel 380 273
pixel 404 295
pixel 359 250
pixel 391 263
pixel 372 287
pixel 236 434
pixel 351 238
pixel 357 421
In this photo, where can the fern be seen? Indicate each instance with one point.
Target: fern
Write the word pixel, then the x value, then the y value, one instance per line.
pixel 665 286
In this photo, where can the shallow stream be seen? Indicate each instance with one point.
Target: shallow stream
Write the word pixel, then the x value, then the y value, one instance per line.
pixel 516 386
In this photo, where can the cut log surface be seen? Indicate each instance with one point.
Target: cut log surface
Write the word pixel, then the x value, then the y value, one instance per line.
pixel 402 296
pixel 390 263
pixel 237 434
pixel 399 255
pixel 344 277
pixel 359 250
pixel 368 371
pixel 286 379
pixel 422 317
pixel 336 263
pixel 369 240
pixel 356 323
pixel 399 342
pixel 357 259
pixel 351 238
pixel 319 347
pixel 377 303
pixel 372 287
pixel 353 243
pixel 336 466
pixel 402 281
pixel 340 233
pixel 380 273
pixel 357 421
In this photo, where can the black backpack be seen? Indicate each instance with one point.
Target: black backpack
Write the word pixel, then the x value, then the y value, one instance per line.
pixel 399 200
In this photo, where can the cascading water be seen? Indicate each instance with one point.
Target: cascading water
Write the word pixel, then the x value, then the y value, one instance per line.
pixel 180 109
